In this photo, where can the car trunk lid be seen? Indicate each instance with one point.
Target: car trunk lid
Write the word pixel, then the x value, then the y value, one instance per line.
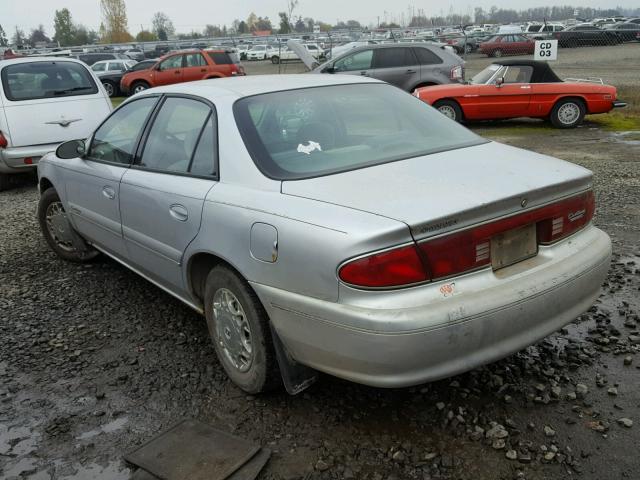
pixel 442 192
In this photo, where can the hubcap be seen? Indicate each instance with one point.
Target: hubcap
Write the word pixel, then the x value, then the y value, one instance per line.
pixel 498 53
pixel 233 332
pixel 447 111
pixel 58 226
pixel 568 113
pixel 109 88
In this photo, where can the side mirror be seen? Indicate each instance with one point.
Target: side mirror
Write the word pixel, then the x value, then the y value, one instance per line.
pixel 499 81
pixel 71 149
pixel 330 69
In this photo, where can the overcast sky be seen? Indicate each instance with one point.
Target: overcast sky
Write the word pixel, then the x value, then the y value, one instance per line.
pixel 195 14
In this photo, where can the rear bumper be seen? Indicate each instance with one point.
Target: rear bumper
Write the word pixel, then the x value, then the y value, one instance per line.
pixel 619 104
pixel 490 315
pixel 21 159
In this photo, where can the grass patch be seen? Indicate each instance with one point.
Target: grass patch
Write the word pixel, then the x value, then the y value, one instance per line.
pixel 624 119
pixel 117 101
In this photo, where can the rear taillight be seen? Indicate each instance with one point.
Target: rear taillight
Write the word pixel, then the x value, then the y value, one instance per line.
pixel 467 250
pixel 456 73
pixel 3 141
pixel 391 268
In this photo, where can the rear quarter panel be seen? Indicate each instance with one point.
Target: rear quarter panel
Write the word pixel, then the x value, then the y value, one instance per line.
pixel 597 98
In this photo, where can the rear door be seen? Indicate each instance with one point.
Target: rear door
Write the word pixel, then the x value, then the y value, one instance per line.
pixel 430 65
pixel 92 183
pixel 397 66
pixel 170 71
pixel 162 194
pixel 224 64
pixel 195 67
pixel 51 102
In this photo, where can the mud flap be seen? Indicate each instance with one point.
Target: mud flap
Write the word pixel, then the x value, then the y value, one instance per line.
pixel 295 376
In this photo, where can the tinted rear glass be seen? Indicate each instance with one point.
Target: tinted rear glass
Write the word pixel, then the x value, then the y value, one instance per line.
pixel 221 58
pixel 29 81
pixel 426 56
pixel 319 131
pixel 393 57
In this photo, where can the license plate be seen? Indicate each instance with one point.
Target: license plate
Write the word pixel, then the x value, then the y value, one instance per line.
pixel 513 246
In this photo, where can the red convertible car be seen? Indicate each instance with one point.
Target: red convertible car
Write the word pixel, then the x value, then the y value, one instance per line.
pixel 521 88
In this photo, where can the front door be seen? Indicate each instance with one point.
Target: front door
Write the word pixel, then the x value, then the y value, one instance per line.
pixel 92 183
pixel 509 100
pixel 162 194
pixel 359 63
pixel 170 71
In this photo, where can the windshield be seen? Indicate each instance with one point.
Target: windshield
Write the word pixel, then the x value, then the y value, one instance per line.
pixel 318 131
pixel 29 81
pixel 259 47
pixel 485 75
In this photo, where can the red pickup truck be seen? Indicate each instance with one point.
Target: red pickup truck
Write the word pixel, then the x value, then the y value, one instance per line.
pixel 183 66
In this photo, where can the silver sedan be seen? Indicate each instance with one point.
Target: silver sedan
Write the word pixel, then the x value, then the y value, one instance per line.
pixel 330 223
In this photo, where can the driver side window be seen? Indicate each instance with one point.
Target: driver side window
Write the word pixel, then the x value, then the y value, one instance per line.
pixel 357 61
pixel 115 140
pixel 171 63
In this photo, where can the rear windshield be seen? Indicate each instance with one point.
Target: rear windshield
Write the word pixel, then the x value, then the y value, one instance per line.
pixel 30 81
pixel 318 131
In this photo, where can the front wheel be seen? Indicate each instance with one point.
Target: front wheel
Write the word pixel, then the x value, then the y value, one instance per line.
pixel 275 60
pixel 497 53
pixel 239 328
pixel 450 109
pixel 139 87
pixel 58 232
pixel 567 113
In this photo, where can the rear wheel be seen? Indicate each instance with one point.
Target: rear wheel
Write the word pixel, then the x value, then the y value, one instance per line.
pixel 59 233
pixel 567 113
pixel 240 331
pixel 138 87
pixel 450 109
pixel 5 181
pixel 110 88
pixel 275 60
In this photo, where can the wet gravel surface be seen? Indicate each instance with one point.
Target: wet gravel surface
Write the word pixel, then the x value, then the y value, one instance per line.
pixel 94 361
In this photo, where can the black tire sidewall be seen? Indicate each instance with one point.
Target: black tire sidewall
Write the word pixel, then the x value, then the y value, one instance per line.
pixel 263 374
pixel 48 197
pixel 113 89
pixel 138 84
pixel 554 113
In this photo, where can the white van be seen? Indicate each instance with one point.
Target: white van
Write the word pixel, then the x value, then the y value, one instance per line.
pixel 44 102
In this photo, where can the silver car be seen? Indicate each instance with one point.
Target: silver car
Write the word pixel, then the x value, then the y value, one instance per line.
pixel 405 65
pixel 316 234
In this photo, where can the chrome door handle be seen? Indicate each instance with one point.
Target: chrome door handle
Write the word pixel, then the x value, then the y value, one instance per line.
pixel 109 192
pixel 179 212
pixel 410 71
pixel 364 74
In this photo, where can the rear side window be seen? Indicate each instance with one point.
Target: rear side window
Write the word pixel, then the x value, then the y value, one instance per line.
pixel 176 130
pixel 30 81
pixel 195 60
pixel 426 56
pixel 221 58
pixel 393 57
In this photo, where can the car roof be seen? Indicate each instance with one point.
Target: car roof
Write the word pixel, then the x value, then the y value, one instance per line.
pixel 542 72
pixel 13 61
pixel 247 86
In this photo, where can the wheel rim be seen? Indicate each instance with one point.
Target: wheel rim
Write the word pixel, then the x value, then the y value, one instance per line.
pixel 109 88
pixel 233 332
pixel 497 53
pixel 568 113
pixel 139 88
pixel 447 111
pixel 58 225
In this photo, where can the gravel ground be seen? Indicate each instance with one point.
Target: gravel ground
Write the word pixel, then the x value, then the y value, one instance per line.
pixel 616 65
pixel 94 361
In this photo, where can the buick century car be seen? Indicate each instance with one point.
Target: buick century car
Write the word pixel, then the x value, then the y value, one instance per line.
pixel 522 88
pixel 315 234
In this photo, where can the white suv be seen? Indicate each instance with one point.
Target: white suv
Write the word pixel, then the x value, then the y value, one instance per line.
pixel 44 102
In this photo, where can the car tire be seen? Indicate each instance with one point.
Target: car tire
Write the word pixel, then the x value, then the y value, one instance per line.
pixel 450 109
pixel 239 328
pixel 275 60
pixel 567 113
pixel 497 53
pixel 138 87
pixel 110 87
pixel 5 182
pixel 49 206
pixel 468 48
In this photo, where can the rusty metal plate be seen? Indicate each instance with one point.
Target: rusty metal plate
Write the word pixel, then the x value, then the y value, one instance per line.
pixel 513 246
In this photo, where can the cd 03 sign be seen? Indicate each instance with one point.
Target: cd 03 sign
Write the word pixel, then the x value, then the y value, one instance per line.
pixel 546 50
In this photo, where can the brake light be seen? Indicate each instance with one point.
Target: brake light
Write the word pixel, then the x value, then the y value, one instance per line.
pixel 3 141
pixel 391 268
pixel 467 250
pixel 241 70
pixel 456 73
